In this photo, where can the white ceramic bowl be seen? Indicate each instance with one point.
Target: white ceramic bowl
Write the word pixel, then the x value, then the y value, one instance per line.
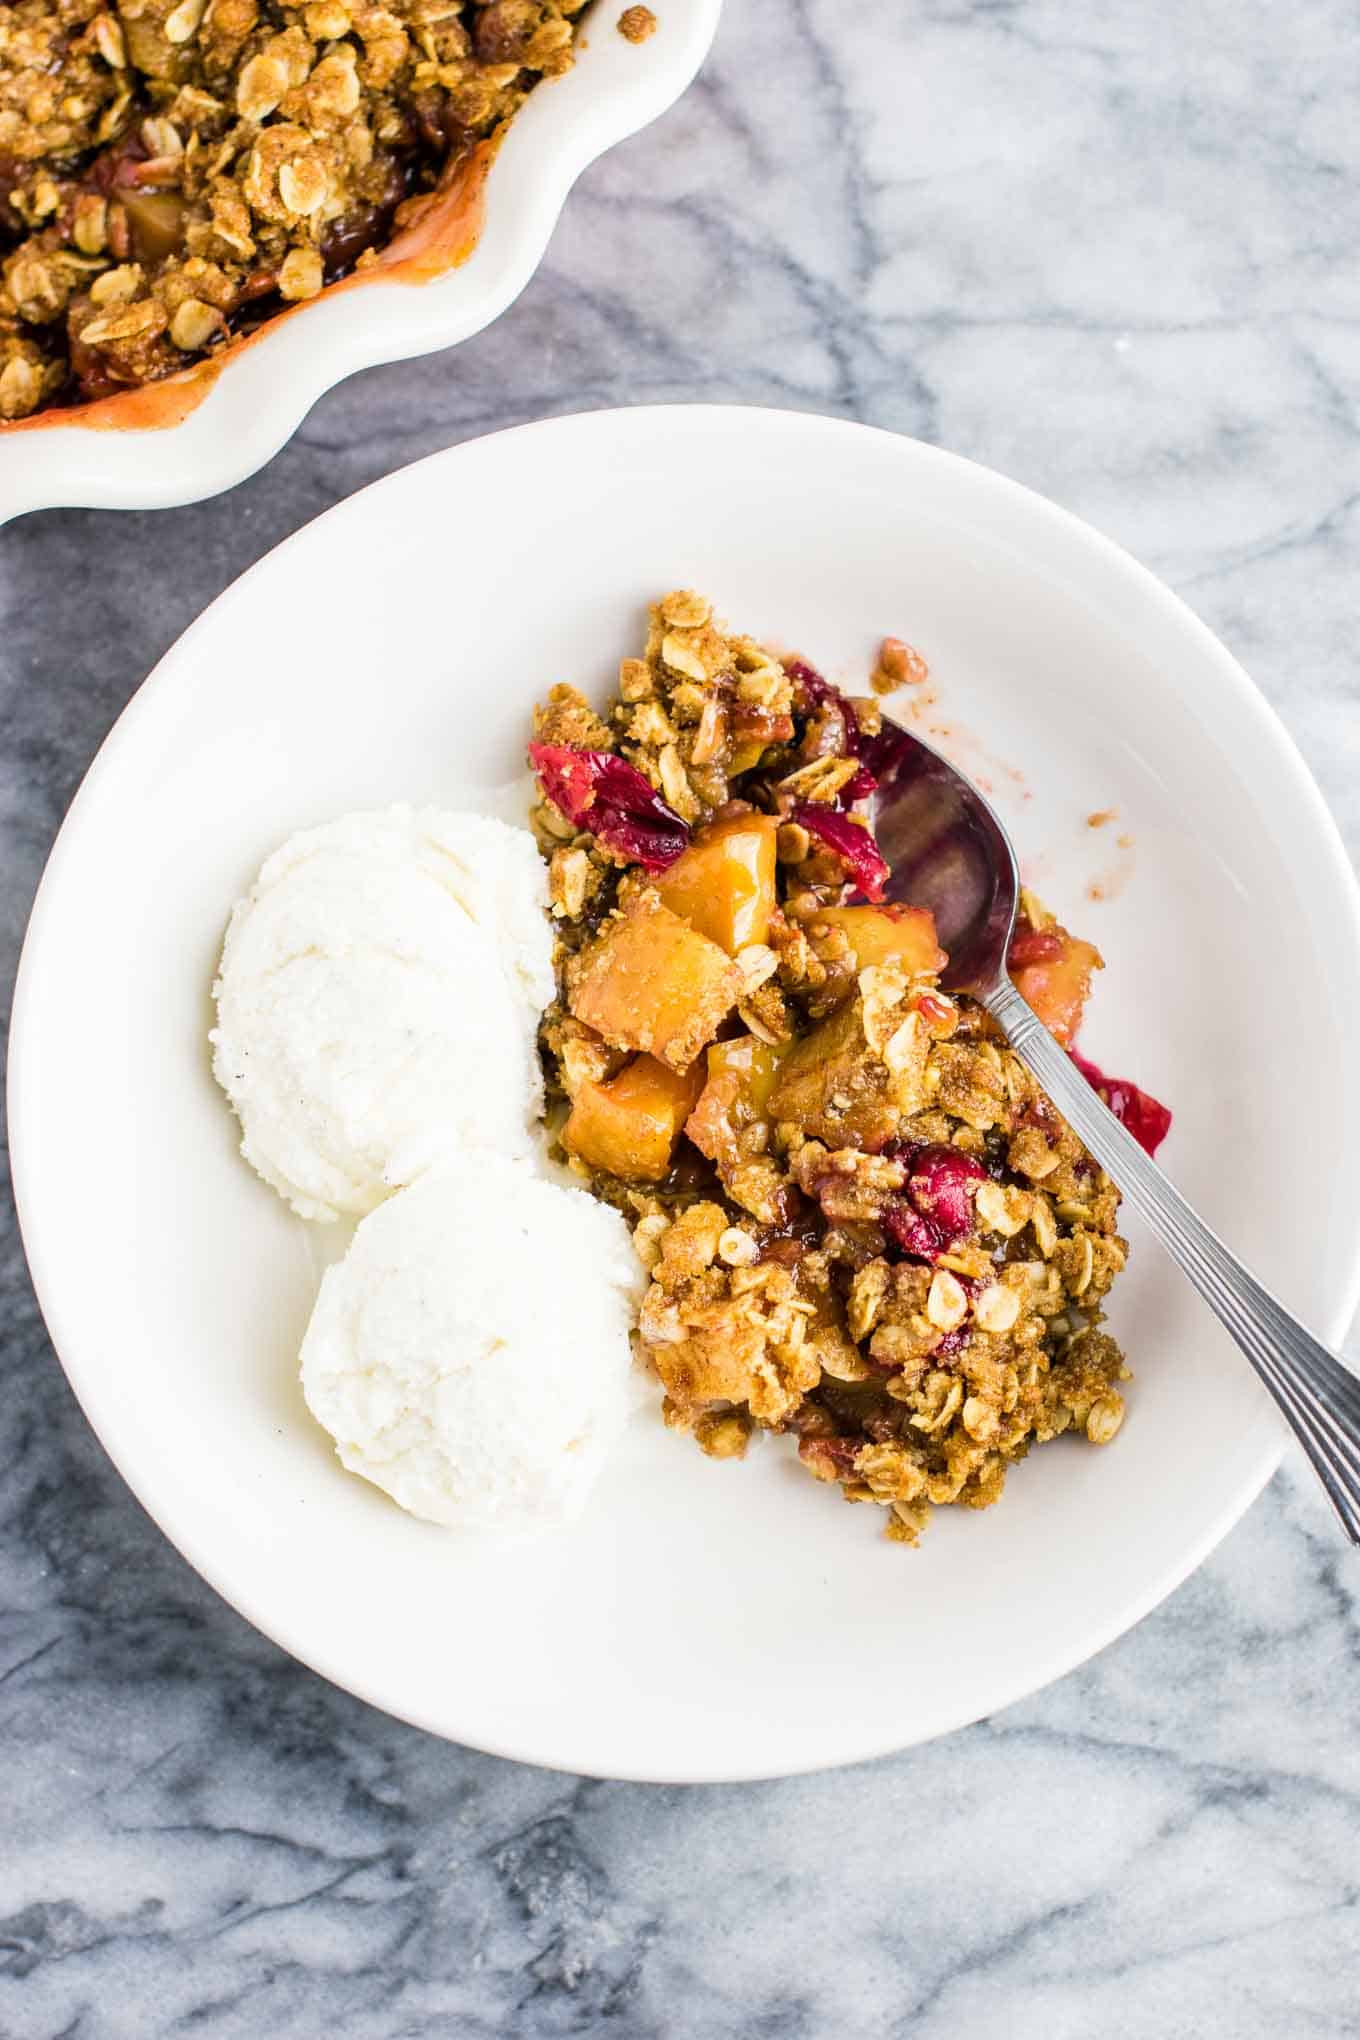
pixel 704 1620
pixel 264 391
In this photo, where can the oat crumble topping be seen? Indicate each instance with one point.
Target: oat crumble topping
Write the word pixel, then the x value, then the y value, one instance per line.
pixel 864 1224
pixel 170 169
pixel 637 23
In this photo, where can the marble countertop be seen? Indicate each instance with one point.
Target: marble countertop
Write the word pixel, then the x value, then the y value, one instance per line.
pixel 1110 251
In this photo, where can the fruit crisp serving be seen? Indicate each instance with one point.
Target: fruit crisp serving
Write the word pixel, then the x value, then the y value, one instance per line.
pixel 172 168
pixel 864 1224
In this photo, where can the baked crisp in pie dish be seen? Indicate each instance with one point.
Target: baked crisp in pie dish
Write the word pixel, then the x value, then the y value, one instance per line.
pixel 863 1223
pixel 174 171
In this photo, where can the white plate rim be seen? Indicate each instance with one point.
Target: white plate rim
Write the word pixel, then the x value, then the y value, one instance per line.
pixel 1335 870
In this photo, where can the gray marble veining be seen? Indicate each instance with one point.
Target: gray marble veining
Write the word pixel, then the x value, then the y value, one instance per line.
pixel 1111 251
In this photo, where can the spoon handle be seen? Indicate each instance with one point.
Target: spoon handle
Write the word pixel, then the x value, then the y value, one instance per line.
pixel 1318 1396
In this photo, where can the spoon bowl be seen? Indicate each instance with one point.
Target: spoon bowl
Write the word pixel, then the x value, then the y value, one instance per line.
pixel 948 852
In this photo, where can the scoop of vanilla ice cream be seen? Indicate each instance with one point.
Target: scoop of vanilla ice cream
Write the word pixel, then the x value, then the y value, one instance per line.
pixel 377 1002
pixel 470 1354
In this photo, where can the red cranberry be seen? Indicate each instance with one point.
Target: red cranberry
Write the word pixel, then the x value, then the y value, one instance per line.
pixel 1146 1119
pixel 937 1210
pixel 851 842
pixel 939 1184
pixel 612 799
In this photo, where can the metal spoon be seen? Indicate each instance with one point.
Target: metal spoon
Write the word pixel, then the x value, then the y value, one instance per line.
pixel 949 852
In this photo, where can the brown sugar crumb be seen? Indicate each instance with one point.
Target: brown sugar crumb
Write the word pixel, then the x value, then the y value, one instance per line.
pixel 864 1227
pixel 637 23
pixel 899 665
pixel 1101 817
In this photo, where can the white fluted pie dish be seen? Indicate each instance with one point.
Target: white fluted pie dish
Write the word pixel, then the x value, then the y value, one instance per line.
pixel 185 438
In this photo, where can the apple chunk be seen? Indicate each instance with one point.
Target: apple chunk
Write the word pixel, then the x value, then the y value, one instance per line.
pixel 723 885
pixel 740 1076
pixel 629 1126
pixel 1052 969
pixel 890 934
pixel 651 982
pixel 835 1088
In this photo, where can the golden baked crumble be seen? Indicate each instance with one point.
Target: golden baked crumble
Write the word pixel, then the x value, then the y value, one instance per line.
pixel 864 1224
pixel 172 169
